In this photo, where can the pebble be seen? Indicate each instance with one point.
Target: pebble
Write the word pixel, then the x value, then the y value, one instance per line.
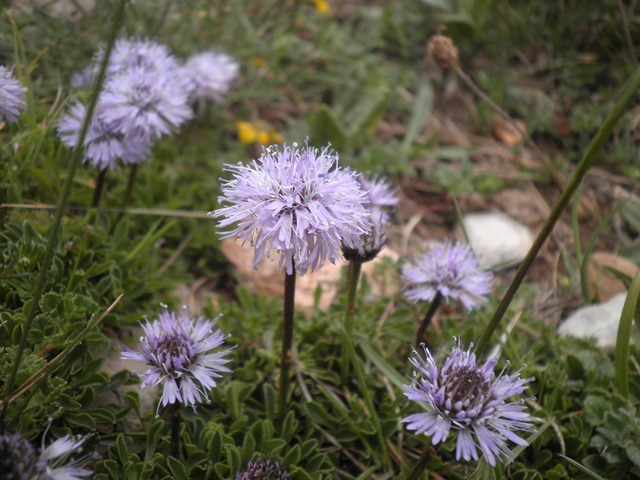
pixel 497 239
pixel 598 321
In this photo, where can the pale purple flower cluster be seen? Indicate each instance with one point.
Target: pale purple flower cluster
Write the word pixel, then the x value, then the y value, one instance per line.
pixel 178 349
pixel 296 201
pixel 18 459
pixel 208 75
pixel 147 95
pixel 466 397
pixel 11 96
pixel 381 201
pixel 453 271
pixel 264 469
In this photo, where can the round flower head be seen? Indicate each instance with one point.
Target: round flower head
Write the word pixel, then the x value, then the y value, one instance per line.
pixel 381 200
pixel 18 460
pixel 178 349
pixel 103 145
pixel 208 75
pixel 465 397
pixel 11 96
pixel 297 202
pixel 451 270
pixel 140 104
pixel 264 469
pixel 147 54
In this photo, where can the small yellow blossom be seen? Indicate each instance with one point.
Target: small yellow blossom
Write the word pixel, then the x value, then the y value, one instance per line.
pixel 258 62
pixel 257 132
pixel 246 132
pixel 322 6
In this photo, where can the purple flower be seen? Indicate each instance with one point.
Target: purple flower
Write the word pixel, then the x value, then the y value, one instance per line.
pixel 466 397
pixel 18 459
pixel 208 75
pixel 103 145
pixel 380 202
pixel 178 348
pixel 141 104
pixel 296 201
pixel 264 469
pixel 11 96
pixel 449 269
pixel 146 54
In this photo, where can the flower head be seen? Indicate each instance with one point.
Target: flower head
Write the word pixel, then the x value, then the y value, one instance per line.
pixel 381 200
pixel 11 96
pixel 144 53
pixel 264 469
pixel 18 459
pixel 449 269
pixel 464 396
pixel 136 103
pixel 103 145
pixel 178 349
pixel 208 75
pixel 296 201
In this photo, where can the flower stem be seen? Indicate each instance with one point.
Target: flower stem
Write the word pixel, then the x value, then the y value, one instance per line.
pixel 421 464
pixel 353 276
pixel 76 157
pixel 97 192
pixel 175 413
pixel 435 304
pixel 581 170
pixel 287 339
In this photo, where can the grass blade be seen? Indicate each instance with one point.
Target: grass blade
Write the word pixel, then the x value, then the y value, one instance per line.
pixel 624 336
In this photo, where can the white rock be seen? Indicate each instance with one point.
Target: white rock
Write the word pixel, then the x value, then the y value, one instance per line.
pixel 497 239
pixel 598 321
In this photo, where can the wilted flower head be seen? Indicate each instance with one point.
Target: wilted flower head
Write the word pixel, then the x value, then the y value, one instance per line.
pixel 381 199
pixel 449 269
pixel 464 396
pixel 137 103
pixel 208 75
pixel 296 201
pixel 11 96
pixel 18 460
pixel 103 145
pixel 178 349
pixel 264 469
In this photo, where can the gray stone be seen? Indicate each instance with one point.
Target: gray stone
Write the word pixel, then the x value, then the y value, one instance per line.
pixel 497 239
pixel 598 322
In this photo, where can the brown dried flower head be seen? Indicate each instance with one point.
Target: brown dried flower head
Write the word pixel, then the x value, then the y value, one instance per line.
pixel 443 52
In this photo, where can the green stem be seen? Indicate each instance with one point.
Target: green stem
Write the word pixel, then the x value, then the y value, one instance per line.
pixel 585 164
pixel 287 339
pixel 421 464
pixel 175 413
pixel 435 304
pixel 97 192
pixel 353 276
pixel 76 158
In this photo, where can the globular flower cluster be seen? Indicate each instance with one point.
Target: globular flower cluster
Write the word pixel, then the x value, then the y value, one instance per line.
pixel 451 270
pixel 147 95
pixel 264 469
pixel 465 397
pixel 178 349
pixel 208 75
pixel 381 201
pixel 18 459
pixel 11 96
pixel 296 201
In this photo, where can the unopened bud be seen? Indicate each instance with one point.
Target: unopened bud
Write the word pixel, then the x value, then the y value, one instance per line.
pixel 443 52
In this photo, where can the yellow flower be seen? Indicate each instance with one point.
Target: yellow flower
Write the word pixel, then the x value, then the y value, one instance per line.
pixel 322 6
pixel 257 132
pixel 258 62
pixel 246 132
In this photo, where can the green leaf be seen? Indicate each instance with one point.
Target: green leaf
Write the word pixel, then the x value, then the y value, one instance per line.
pixel 325 128
pixel 422 106
pixel 153 439
pixel 387 370
pixel 624 336
pixel 178 469
pixel 292 457
pixel 318 414
pixel 581 467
